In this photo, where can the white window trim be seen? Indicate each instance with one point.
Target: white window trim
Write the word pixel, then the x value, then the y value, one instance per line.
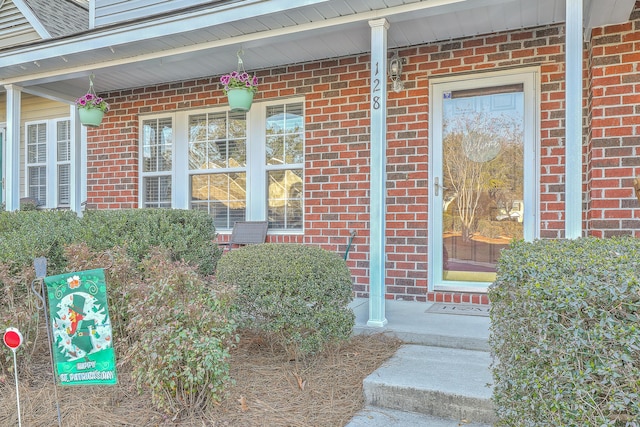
pixel 51 162
pixel 256 161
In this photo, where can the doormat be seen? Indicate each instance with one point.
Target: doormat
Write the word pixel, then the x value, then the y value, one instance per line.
pixel 460 309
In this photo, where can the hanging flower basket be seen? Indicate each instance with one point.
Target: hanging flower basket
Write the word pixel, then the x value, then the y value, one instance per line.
pixel 239 87
pixel 91 117
pixel 240 99
pixel 91 108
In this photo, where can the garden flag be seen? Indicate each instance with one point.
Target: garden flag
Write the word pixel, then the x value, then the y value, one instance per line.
pixel 81 328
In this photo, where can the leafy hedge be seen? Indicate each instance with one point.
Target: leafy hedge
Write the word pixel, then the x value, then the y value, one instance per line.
pixel 188 234
pixel 26 235
pixel 566 333
pixel 298 294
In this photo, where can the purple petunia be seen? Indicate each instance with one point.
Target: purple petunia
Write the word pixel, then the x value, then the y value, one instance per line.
pixel 89 100
pixel 237 80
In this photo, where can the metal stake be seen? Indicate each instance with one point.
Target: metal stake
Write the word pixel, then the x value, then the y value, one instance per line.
pixel 40 266
pixel 15 374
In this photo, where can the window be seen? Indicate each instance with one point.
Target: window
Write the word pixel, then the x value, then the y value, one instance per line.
pixel 233 165
pixel 64 162
pixel 37 162
pixel 48 162
pixel 218 166
pixel 284 165
pixel 157 161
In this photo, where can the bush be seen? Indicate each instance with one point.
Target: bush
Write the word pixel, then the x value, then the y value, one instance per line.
pixel 297 294
pixel 120 271
pixel 188 234
pixel 31 234
pixel 565 333
pixel 181 332
pixel 27 235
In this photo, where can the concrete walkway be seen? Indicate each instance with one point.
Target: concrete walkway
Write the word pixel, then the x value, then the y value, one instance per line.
pixel 438 379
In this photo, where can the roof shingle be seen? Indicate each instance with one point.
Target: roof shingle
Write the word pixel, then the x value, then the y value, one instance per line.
pixel 60 17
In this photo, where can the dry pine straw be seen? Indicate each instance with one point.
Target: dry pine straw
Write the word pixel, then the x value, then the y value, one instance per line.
pixel 270 390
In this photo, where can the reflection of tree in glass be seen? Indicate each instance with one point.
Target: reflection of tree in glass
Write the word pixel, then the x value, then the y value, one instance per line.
pixel 157 145
pixel 285 198
pixel 217 142
pixel 285 139
pixel 482 156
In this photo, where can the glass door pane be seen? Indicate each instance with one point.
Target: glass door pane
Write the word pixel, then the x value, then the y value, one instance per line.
pixel 479 186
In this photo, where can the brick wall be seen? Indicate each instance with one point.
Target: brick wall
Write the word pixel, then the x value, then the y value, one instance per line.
pixel 337 142
pixel 614 150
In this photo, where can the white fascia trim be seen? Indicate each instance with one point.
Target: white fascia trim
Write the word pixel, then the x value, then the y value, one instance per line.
pixel 32 18
pixel 146 30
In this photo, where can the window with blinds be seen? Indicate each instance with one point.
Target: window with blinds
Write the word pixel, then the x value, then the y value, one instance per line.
pixel 232 165
pixel 157 162
pixel 48 162
pixel 218 165
pixel 63 155
pixel 37 162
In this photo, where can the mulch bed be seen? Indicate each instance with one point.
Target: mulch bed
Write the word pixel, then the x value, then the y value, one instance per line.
pixel 269 390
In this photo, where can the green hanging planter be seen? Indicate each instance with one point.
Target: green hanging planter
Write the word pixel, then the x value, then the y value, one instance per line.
pixel 239 99
pixel 90 117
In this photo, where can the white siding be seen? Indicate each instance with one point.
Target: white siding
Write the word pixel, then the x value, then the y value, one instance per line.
pixel 33 108
pixel 113 11
pixel 14 27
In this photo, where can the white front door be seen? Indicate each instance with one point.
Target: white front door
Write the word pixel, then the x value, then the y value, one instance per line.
pixel 483 172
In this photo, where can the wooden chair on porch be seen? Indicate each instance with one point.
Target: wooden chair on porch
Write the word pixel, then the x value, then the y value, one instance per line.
pixel 246 233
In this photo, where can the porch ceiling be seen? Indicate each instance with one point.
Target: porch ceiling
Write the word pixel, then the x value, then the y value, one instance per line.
pixel 204 42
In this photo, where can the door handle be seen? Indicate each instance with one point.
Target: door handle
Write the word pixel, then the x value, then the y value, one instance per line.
pixel 437 186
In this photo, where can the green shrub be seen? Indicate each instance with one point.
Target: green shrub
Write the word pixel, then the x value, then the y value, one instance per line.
pixel 189 234
pixel 120 271
pixel 27 235
pixel 566 334
pixel 31 234
pixel 181 333
pixel 297 294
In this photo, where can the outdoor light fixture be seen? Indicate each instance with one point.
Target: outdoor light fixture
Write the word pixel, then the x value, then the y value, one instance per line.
pixel 395 72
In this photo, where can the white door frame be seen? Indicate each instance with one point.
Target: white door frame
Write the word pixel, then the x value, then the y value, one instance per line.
pixel 530 78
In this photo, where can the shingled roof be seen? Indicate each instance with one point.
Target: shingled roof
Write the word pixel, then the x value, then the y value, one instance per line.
pixel 61 17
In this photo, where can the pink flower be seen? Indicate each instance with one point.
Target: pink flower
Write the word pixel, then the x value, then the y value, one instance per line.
pixel 89 100
pixel 236 80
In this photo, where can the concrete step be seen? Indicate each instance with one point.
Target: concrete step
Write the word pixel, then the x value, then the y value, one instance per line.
pixel 410 322
pixel 382 417
pixel 440 382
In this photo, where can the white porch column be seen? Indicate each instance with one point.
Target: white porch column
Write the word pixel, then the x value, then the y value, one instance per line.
pixel 377 192
pixel 76 175
pixel 12 161
pixel 573 111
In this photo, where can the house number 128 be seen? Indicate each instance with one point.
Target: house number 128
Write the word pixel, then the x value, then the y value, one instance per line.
pixel 376 88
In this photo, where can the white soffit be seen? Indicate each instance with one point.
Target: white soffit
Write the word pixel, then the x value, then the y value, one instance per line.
pixel 194 45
